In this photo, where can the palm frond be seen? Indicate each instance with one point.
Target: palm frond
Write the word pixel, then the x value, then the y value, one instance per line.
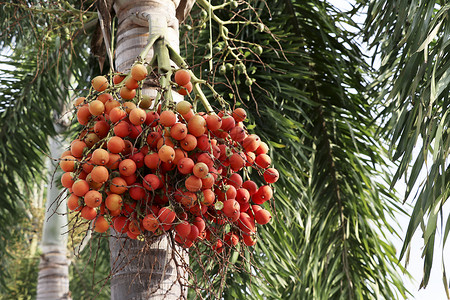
pixel 414 80
pixel 42 51
pixel 309 101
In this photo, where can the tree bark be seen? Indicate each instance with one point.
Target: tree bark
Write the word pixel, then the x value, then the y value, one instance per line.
pixel 145 271
pixel 53 277
pixel 140 270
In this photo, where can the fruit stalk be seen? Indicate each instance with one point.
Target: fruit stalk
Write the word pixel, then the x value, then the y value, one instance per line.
pixel 179 61
pixel 165 70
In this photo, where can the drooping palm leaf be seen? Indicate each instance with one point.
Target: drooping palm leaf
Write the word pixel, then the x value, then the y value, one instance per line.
pixel 414 81
pixel 328 236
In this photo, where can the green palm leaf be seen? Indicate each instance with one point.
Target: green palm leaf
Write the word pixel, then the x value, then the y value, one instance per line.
pixel 309 101
pixel 414 78
pixel 43 47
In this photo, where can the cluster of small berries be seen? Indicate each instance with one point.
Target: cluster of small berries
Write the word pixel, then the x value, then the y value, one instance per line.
pixel 138 169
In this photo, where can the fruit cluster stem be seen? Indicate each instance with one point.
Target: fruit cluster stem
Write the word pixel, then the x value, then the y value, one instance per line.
pixel 199 93
pixel 179 61
pixel 151 41
pixel 165 70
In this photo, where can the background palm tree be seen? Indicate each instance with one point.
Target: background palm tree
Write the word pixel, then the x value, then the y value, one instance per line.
pixel 306 94
pixel 53 277
pixel 35 90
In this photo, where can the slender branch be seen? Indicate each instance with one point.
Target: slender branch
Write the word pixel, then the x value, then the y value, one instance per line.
pixel 151 41
pixel 179 61
pixel 41 9
pixel 199 93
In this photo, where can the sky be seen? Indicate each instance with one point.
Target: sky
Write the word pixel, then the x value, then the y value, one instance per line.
pixel 435 289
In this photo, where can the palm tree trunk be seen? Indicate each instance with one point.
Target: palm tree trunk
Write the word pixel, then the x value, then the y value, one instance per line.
pixel 141 271
pixel 53 277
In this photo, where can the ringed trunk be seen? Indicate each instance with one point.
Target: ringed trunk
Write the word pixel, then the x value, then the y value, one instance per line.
pixel 140 270
pixel 53 276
